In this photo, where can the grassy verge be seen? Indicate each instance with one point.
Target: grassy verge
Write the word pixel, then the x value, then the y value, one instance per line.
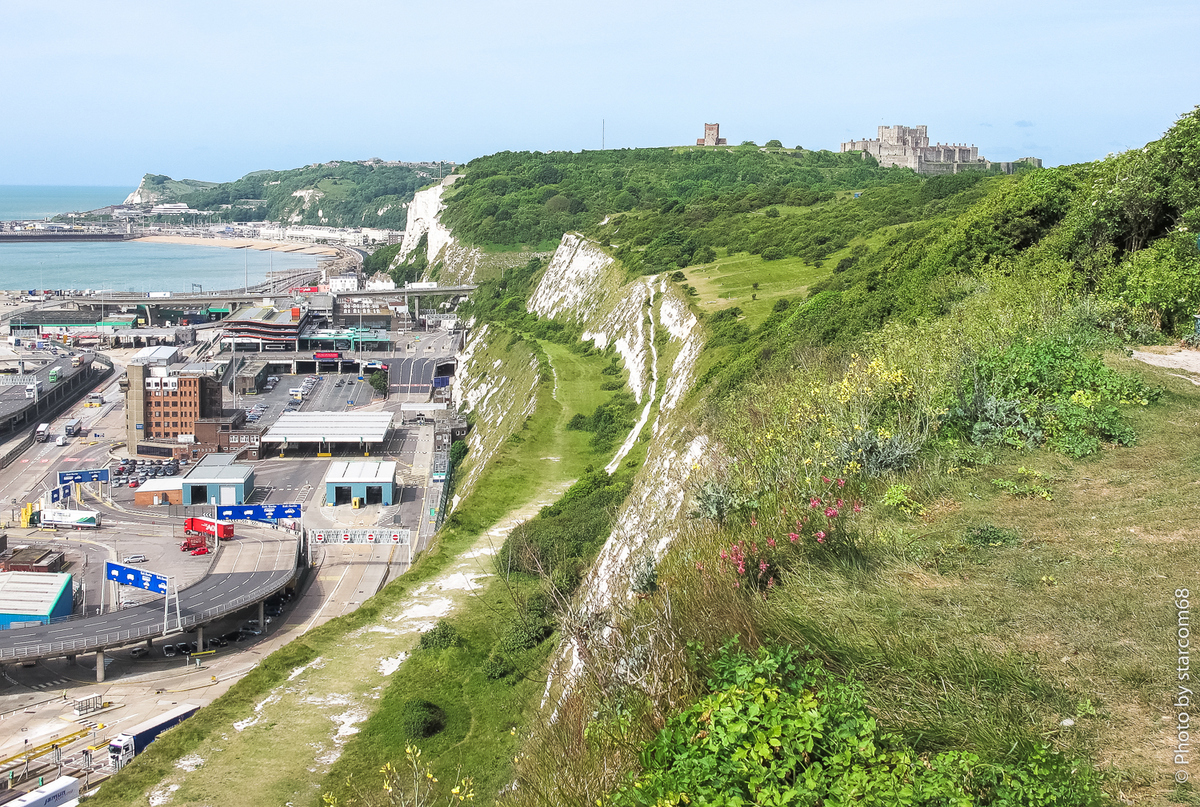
pixel 481 711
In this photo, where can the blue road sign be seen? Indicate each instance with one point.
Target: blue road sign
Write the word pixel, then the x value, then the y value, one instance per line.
pixel 138 578
pixel 85 475
pixel 259 512
pixel 55 494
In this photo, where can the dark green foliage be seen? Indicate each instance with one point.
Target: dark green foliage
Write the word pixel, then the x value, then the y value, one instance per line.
pixel 495 668
pixel 508 198
pixel 726 328
pixel 414 266
pixel 1051 387
pixel 439 637
pixel 353 195
pixel 380 259
pixel 562 538
pixel 772 730
pixel 611 421
pixel 379 382
pixel 522 635
pixel 989 535
pixel 420 719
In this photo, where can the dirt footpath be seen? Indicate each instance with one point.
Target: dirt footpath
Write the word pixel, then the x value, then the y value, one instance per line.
pixel 1170 356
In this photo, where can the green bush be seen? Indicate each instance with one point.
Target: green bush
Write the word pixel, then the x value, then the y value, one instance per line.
pixel 774 731
pixel 420 719
pixel 495 668
pixel 439 637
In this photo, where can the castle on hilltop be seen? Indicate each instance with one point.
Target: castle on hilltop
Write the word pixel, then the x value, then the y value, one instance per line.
pixel 908 147
pixel 712 136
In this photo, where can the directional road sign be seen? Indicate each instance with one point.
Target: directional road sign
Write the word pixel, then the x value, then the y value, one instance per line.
pixel 60 493
pixel 138 578
pixel 259 512
pixel 85 475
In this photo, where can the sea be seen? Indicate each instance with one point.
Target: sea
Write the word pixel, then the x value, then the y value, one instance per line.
pixel 120 266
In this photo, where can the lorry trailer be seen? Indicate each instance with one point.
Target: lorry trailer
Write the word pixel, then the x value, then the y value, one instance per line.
pixel 62 791
pixel 208 526
pixel 128 744
pixel 77 519
pixel 72 427
pixel 43 433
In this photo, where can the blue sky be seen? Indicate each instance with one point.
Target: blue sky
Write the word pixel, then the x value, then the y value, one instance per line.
pixel 101 93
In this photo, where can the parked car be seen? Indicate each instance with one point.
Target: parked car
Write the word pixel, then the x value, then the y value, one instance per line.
pixel 139 652
pixel 183 648
pixel 169 650
pixel 203 550
pixel 138 558
pixel 133 483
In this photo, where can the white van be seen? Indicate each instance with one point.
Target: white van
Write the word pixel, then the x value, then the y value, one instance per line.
pixel 61 440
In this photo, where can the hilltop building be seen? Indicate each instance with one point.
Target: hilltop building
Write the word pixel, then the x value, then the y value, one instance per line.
pixel 908 147
pixel 712 136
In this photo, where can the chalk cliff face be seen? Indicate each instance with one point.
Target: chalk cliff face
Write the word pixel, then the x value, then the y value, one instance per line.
pixel 659 340
pixel 144 195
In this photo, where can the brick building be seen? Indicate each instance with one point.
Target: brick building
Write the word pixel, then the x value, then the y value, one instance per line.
pixel 164 397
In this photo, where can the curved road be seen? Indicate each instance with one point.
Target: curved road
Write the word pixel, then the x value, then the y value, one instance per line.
pixel 256 577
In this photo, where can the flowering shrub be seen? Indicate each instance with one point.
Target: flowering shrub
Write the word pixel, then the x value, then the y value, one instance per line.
pixel 755 563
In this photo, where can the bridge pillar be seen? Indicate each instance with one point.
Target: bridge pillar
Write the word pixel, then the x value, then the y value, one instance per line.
pixel 99 666
pixel 149 642
pixel 262 613
pixel 71 660
pixel 199 638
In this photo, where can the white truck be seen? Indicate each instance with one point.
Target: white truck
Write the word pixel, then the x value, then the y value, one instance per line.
pixel 63 790
pixel 126 745
pixel 75 519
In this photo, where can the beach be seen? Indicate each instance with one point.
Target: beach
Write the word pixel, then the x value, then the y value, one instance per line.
pixel 244 243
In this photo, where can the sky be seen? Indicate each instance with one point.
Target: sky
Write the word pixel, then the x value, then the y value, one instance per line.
pixel 102 93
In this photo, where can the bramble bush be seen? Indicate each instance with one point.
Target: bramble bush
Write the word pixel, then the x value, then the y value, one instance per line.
pixel 774 730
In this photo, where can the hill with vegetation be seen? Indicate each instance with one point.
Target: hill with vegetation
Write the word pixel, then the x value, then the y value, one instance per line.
pixel 867 498
pixel 335 194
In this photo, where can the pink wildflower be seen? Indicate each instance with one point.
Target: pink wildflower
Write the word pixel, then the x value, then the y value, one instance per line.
pixel 841 504
pixel 831 512
pixel 723 555
pixel 753 521
pixel 793 537
pixel 820 536
pixel 770 582
pixel 762 565
pixel 841 483
pixel 771 542
pixel 858 507
pixel 825 479
pixel 814 502
pixel 699 566
pixel 820 540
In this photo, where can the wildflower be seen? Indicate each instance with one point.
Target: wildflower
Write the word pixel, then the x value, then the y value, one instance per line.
pixel 753 521
pixel 840 504
pixel 762 565
pixel 825 479
pixel 820 536
pixel 820 540
pixel 724 556
pixel 814 502
pixel 771 542
pixel 770 582
pixel 841 483
pixel 793 537
pixel 699 568
pixel 858 507
pixel 831 512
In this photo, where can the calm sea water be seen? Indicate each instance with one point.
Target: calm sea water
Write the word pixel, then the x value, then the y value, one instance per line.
pixel 44 201
pixel 137 266
pixel 121 266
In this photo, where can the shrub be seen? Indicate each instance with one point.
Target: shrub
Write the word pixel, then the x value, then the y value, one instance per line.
pixel 439 637
pixel 773 254
pixel 989 535
pixel 521 635
pixel 495 667
pixel 420 719
pixel 774 731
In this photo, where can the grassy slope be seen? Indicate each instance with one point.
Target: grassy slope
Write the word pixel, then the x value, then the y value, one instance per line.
pixel 481 712
pixel 1075 616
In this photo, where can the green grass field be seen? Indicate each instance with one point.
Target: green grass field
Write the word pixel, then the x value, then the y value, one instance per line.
pixel 730 281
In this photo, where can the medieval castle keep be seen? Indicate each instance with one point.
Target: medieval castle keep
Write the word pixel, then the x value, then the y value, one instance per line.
pixel 908 147
pixel 712 136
